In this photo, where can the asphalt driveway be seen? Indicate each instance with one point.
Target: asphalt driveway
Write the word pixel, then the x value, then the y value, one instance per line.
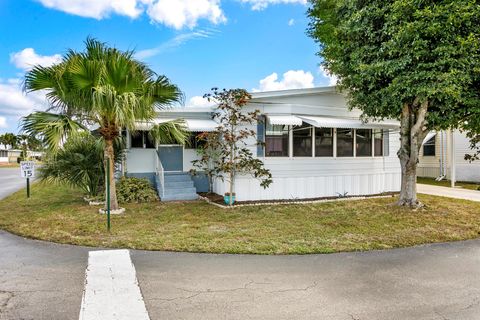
pixel 40 280
pixel 10 181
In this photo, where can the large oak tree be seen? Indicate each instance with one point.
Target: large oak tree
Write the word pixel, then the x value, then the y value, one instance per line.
pixel 413 60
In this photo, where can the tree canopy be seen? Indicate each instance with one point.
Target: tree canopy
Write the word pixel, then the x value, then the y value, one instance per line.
pixel 387 53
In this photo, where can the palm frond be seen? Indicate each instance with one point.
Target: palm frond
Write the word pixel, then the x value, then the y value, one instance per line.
pixel 171 132
pixel 52 128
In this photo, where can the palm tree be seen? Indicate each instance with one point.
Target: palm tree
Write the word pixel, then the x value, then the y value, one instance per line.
pixel 11 140
pixel 100 87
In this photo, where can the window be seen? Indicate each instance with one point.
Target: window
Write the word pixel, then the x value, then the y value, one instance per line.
pixel 429 147
pixel 344 142
pixel 276 141
pixel 378 142
pixel 302 141
pixel 323 142
pixel 141 139
pixel 3 153
pixel 195 140
pixel 364 142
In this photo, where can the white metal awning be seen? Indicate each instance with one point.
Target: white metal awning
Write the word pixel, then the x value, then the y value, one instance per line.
pixel 284 120
pixel 325 122
pixel 201 125
pixel 429 136
pixel 193 125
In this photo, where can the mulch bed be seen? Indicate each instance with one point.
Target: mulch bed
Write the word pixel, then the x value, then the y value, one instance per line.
pixel 218 199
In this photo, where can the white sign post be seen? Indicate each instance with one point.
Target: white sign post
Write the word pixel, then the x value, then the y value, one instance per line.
pixel 27 170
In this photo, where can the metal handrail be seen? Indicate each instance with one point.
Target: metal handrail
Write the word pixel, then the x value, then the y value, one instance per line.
pixel 160 173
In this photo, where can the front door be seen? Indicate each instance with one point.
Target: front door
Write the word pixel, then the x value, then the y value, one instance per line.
pixel 171 157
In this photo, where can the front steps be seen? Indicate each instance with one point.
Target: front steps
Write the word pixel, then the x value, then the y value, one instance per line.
pixel 178 186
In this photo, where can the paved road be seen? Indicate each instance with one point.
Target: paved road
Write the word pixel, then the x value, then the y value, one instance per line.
pixel 459 193
pixel 10 181
pixel 40 280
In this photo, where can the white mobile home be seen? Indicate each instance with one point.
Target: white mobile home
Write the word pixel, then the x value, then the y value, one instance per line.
pixel 314 146
pixel 443 156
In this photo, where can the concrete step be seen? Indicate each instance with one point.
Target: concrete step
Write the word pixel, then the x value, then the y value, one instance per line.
pixel 178 184
pixel 177 177
pixel 175 191
pixel 179 197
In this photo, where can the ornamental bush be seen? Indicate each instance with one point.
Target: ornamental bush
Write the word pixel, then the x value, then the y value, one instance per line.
pixel 135 190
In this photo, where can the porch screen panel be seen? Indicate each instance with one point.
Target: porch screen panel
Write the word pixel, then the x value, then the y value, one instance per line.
pixel 136 139
pixel 323 142
pixel 344 142
pixel 378 142
pixel 302 141
pixel 276 140
pixel 386 143
pixel 364 142
pixel 260 136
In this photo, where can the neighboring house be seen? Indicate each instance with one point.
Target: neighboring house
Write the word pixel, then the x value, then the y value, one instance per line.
pixel 3 156
pixel 13 155
pixel 438 159
pixel 314 146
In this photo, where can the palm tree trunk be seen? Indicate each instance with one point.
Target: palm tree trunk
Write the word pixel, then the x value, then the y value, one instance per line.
pixel 109 154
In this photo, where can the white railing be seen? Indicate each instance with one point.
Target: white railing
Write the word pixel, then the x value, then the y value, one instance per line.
pixel 160 173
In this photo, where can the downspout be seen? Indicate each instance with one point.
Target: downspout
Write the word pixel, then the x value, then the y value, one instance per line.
pixel 452 164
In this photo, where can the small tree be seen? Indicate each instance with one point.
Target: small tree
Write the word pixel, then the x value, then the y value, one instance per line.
pixel 235 157
pixel 209 157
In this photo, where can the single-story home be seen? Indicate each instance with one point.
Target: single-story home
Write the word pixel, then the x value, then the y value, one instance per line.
pixel 314 147
pixel 442 156
pixel 13 155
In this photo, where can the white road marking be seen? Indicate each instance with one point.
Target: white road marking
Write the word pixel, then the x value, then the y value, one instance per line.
pixel 111 288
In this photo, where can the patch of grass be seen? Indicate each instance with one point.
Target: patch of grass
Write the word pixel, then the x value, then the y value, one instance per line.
pixel 447 183
pixel 9 165
pixel 57 213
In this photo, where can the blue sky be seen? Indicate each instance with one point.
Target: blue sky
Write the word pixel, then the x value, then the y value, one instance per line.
pixel 259 45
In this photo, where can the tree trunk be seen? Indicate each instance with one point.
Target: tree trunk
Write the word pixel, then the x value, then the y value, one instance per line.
pixel 109 154
pixel 412 132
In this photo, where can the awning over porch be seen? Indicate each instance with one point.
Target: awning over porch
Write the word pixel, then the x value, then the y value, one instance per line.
pixel 284 120
pixel 325 122
pixel 193 125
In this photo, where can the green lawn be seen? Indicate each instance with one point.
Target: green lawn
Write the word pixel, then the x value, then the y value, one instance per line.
pixel 447 183
pixel 59 214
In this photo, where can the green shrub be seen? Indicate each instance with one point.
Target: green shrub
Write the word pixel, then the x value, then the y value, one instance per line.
pixel 135 190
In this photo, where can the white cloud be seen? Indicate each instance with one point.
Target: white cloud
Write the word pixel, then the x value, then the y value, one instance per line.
pixel 97 9
pixel 181 13
pixel 329 78
pixel 172 13
pixel 199 101
pixel 3 122
pixel 173 43
pixel 293 79
pixel 15 102
pixel 291 22
pixel 27 58
pixel 262 4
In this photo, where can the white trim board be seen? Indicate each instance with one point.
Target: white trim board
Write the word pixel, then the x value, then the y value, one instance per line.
pixel 111 288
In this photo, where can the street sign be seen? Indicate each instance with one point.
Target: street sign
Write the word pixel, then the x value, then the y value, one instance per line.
pixel 27 169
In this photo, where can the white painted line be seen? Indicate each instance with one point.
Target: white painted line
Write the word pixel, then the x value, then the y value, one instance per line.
pixel 111 288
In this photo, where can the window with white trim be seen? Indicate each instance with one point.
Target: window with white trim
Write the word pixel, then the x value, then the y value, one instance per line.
pixel 345 142
pixel 323 142
pixel 363 142
pixel 276 140
pixel 429 147
pixel 378 142
pixel 302 140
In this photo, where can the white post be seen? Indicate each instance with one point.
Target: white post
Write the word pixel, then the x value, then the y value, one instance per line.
pixel 452 161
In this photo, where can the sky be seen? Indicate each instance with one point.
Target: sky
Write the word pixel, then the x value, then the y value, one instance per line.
pixel 258 45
